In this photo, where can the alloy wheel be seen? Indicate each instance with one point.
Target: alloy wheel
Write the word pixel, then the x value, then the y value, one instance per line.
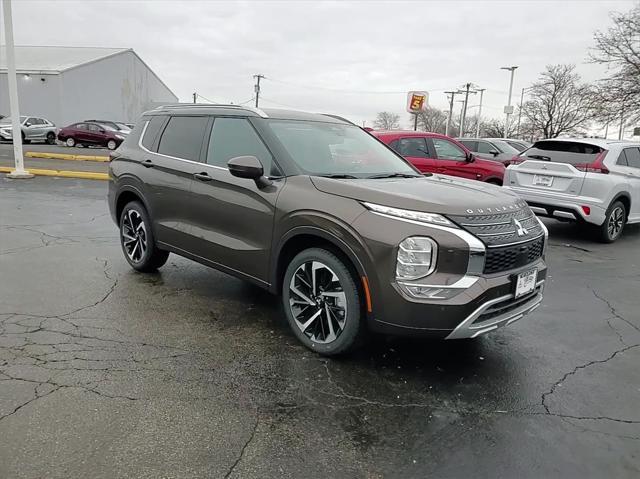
pixel 318 302
pixel 616 222
pixel 134 235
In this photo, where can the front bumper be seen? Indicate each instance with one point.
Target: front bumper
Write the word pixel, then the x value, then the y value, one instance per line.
pixel 6 135
pixel 561 206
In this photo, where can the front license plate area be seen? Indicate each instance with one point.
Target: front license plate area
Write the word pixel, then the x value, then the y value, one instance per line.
pixel 526 282
pixel 542 180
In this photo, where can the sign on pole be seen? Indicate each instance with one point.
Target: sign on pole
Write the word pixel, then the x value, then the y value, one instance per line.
pixel 417 101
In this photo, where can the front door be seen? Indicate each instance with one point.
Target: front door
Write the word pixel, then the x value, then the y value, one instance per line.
pixel 452 160
pixel 233 224
pixel 35 129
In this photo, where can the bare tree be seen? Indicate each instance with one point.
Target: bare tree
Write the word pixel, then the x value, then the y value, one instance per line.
pixel 619 49
pixel 387 121
pixel 432 119
pixel 493 128
pixel 560 102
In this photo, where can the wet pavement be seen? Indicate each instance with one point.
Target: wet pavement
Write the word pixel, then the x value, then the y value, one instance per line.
pixel 105 372
pixel 7 160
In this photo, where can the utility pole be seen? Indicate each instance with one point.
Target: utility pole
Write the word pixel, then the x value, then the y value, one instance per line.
pixel 258 77
pixel 16 129
pixel 621 130
pixel 481 90
pixel 508 110
pixel 466 92
pixel 520 112
pixel 453 95
pixel 462 105
pixel 195 96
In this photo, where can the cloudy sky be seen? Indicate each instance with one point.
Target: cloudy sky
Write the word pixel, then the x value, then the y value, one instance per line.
pixel 350 58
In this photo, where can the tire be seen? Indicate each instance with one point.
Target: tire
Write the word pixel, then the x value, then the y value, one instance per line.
pixel 24 139
pixel 70 142
pixel 51 138
pixel 614 223
pixel 137 241
pixel 495 182
pixel 335 303
pixel 112 145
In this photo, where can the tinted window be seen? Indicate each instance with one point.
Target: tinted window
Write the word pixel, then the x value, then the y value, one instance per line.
pixel 633 157
pixel 182 137
pixel 94 127
pixel 233 137
pixel 150 134
pixel 622 159
pixel 472 145
pixel 447 150
pixel 80 126
pixel 34 121
pixel 517 146
pixel 486 147
pixel 572 153
pixel 415 147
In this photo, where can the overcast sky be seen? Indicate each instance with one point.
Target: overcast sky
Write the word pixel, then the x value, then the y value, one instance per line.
pixel 349 58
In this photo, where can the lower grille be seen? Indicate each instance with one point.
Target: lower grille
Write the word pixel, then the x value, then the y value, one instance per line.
pixel 505 307
pixel 510 257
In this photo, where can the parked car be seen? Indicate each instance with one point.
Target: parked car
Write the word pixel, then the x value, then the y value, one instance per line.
pixel 434 153
pixel 491 148
pixel 91 134
pixel 519 145
pixel 33 129
pixel 123 128
pixel 315 209
pixel 591 181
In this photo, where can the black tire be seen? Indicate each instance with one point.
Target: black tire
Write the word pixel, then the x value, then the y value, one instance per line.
pixel 24 139
pixel 336 299
pixel 70 142
pixel 137 241
pixel 614 223
pixel 51 138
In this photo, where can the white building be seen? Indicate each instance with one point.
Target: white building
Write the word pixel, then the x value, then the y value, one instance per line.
pixel 69 84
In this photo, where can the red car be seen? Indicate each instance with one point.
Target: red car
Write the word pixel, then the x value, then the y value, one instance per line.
pixel 88 133
pixel 434 153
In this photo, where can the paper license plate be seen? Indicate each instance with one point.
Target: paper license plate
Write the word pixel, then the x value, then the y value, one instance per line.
pixel 542 180
pixel 526 282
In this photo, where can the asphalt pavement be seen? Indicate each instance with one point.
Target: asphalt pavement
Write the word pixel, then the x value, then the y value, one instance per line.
pixel 7 159
pixel 186 373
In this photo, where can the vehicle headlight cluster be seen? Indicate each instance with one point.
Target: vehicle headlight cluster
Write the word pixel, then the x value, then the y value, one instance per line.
pixel 431 218
pixel 119 137
pixel 416 258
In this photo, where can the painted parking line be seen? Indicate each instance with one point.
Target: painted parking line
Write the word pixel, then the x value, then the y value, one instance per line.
pixel 64 156
pixel 85 175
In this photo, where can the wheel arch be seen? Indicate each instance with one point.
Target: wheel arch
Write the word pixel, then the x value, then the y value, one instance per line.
pixel 125 195
pixel 625 199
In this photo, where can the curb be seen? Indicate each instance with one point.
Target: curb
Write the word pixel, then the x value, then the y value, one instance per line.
pixel 64 156
pixel 85 175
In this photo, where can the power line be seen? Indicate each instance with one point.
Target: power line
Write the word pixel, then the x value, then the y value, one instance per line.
pixel 343 90
pixel 206 99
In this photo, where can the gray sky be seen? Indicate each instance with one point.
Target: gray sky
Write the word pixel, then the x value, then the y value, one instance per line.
pixel 349 58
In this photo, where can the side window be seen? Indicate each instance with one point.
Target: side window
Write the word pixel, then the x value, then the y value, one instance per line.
pixel 81 126
pixel 470 144
pixel 233 137
pixel 485 147
pixel 622 159
pixel 93 127
pixel 182 137
pixel 448 151
pixel 33 121
pixel 633 157
pixel 415 147
pixel 152 130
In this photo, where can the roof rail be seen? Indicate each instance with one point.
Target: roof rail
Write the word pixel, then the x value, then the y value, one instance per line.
pixel 337 117
pixel 170 106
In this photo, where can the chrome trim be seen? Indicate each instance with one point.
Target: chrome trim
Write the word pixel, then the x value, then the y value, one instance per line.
pixel 513 232
pixel 564 214
pixel 517 242
pixel 538 210
pixel 466 329
pixel 175 106
pixel 461 285
pixel 432 265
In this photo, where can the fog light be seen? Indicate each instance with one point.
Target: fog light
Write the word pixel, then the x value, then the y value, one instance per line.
pixel 586 209
pixel 416 258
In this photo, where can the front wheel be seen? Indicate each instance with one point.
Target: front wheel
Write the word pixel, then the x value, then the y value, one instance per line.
pixel 51 138
pixel 24 139
pixel 322 302
pixel 614 222
pixel 136 238
pixel 112 145
pixel 70 142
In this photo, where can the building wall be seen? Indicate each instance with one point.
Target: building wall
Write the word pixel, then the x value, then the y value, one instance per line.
pixel 117 88
pixel 36 97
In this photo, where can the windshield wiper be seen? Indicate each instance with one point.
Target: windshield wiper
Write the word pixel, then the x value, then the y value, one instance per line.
pixel 394 175
pixel 340 176
pixel 539 157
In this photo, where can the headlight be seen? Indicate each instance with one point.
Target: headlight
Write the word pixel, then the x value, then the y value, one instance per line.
pixel 416 258
pixel 419 216
pixel 119 137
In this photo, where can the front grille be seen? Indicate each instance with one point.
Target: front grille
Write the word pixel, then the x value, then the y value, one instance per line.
pixel 500 229
pixel 510 257
pixel 504 307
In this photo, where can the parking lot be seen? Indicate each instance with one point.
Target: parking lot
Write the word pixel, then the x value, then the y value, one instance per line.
pixel 192 373
pixel 7 160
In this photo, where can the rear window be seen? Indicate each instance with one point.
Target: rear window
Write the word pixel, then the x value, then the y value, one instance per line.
pixel 182 137
pixel 151 132
pixel 570 152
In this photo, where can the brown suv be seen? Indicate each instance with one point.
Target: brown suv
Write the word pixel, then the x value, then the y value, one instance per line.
pixel 316 209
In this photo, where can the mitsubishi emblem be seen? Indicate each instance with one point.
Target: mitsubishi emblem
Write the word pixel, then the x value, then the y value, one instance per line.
pixel 520 230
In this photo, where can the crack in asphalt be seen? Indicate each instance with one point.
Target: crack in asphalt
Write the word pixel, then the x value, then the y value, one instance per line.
pixel 613 310
pixel 244 447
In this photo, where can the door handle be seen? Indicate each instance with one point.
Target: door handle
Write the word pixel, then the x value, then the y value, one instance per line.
pixel 202 177
pixel 148 164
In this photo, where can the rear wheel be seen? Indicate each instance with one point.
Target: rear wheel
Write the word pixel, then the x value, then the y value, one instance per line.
pixel 136 238
pixel 51 138
pixel 614 223
pixel 70 142
pixel 111 144
pixel 322 302
pixel 24 139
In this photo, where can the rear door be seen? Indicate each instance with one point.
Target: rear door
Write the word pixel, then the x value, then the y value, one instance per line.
pixel 452 160
pixel 35 130
pixel 555 165
pixel 95 134
pixel 416 150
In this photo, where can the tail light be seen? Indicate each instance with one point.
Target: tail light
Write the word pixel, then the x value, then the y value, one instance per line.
pixel 596 167
pixel 514 161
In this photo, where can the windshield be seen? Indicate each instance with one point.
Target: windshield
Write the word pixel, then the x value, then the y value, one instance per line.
pixel 7 120
pixel 332 149
pixel 570 152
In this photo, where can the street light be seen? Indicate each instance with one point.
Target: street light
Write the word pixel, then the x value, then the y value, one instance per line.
pixel 520 110
pixel 508 109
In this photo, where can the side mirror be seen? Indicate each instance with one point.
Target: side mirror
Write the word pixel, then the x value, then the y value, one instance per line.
pixel 494 152
pixel 248 167
pixel 102 130
pixel 27 124
pixel 470 158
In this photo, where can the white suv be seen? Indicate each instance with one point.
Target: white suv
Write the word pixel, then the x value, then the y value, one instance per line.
pixel 587 180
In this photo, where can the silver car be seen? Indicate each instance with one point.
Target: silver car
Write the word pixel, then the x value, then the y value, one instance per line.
pixel 590 181
pixel 493 148
pixel 33 129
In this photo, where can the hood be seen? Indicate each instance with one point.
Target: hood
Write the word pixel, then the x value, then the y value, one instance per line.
pixel 433 194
